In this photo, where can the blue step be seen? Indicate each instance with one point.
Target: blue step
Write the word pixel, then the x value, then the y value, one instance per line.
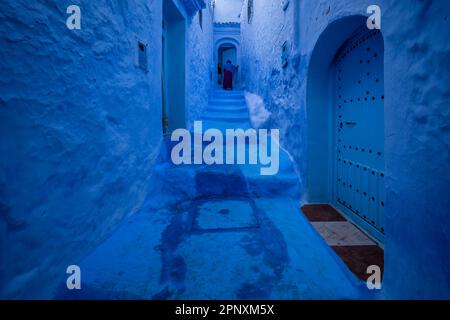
pixel 228 110
pixel 227 113
pixel 236 102
pixel 223 125
pixel 226 117
pixel 231 98
pixel 228 95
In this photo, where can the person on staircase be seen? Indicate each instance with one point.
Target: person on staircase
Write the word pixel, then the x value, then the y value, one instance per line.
pixel 228 71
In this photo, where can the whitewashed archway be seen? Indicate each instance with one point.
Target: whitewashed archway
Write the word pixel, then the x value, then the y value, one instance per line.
pixel 226 34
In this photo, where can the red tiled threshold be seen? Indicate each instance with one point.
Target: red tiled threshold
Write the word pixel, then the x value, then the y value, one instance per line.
pixel 349 242
pixel 358 258
pixel 321 212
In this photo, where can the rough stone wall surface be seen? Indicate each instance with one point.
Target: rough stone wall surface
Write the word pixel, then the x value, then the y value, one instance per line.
pixel 80 129
pixel 262 71
pixel 200 64
pixel 417 118
pixel 227 10
pixel 417 114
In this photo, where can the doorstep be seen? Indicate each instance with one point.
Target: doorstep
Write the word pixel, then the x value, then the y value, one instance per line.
pixel 353 246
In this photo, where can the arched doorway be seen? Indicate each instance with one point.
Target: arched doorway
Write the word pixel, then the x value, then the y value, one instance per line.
pixel 226 52
pixel 226 49
pixel 345 110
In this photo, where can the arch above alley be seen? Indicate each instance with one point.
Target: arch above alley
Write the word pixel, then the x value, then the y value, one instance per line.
pixel 226 34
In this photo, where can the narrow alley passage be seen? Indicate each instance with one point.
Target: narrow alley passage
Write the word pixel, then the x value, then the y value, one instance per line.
pixel 224 149
pixel 241 237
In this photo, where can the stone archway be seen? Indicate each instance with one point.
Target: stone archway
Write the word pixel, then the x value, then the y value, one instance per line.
pixel 226 42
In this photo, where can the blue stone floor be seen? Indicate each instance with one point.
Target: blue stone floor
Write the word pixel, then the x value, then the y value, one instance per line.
pixel 229 233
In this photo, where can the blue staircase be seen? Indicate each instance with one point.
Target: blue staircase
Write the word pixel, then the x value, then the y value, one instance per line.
pixel 217 232
pixel 226 110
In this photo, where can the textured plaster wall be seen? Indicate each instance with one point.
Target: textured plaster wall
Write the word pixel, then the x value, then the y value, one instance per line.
pixel 262 71
pixel 227 10
pixel 417 114
pixel 80 129
pixel 417 117
pixel 200 65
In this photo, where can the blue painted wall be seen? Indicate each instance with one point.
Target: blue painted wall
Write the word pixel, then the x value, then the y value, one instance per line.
pixel 200 60
pixel 262 73
pixel 81 125
pixel 227 10
pixel 81 129
pixel 417 108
